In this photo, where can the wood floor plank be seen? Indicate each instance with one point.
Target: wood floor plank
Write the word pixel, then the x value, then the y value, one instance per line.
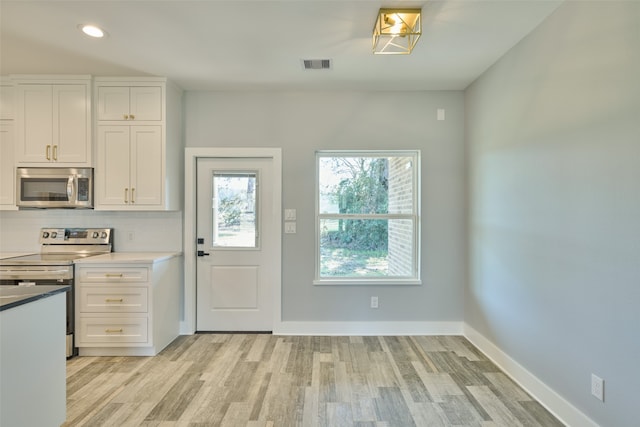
pixel 177 398
pixel 392 408
pixel 505 388
pixel 261 380
pixel 338 414
pixel 459 411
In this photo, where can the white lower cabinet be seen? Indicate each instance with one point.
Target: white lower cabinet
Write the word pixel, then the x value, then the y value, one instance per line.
pixel 127 309
pixel 114 331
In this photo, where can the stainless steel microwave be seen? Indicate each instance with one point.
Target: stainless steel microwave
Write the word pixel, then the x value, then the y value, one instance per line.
pixel 54 187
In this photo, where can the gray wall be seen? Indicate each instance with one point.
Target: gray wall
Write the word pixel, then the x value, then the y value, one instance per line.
pixel 553 139
pixel 303 122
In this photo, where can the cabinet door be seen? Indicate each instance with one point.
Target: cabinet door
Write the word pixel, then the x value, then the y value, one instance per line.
pixel 112 173
pixel 146 165
pixel 35 123
pixel 71 119
pixel 7 168
pixel 113 103
pixel 145 103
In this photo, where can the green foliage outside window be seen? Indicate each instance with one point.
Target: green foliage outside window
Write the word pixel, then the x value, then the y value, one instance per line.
pixel 363 191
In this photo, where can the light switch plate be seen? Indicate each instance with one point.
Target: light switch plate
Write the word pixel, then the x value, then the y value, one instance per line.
pixel 290 228
pixel 289 214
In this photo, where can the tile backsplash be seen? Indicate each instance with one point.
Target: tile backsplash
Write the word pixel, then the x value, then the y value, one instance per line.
pixel 133 231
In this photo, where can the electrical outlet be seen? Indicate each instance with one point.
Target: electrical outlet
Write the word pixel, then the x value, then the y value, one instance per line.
pixel 597 387
pixel 131 236
pixel 374 302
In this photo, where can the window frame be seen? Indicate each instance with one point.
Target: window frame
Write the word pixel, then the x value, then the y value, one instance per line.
pixel 415 279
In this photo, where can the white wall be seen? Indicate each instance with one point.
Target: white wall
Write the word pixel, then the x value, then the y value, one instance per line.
pixel 303 122
pixel 553 135
pixel 152 231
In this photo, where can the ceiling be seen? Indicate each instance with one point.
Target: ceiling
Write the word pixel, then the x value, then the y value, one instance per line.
pixel 260 44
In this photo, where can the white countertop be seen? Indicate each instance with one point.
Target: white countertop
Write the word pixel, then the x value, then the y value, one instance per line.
pixel 4 255
pixel 129 257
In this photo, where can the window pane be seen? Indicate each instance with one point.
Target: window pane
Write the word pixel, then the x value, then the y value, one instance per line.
pixel 366 185
pixel 353 248
pixel 234 206
pixel 366 248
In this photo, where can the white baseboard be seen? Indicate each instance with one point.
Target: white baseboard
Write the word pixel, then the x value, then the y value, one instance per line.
pixel 556 404
pixel 368 328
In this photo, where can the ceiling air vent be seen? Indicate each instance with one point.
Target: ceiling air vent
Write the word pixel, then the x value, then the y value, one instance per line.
pixel 316 64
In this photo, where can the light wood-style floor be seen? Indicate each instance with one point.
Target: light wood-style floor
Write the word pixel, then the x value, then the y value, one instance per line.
pixel 265 380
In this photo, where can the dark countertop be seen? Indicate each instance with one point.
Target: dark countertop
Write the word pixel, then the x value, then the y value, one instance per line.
pixel 13 296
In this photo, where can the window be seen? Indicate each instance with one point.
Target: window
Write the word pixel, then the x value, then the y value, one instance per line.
pixel 367 217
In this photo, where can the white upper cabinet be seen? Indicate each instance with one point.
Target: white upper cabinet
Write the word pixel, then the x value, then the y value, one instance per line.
pixel 7 145
pixel 53 121
pixel 139 146
pixel 130 167
pixel 7 169
pixel 136 103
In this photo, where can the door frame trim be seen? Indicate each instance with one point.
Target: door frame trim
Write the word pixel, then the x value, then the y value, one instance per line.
pixel 188 324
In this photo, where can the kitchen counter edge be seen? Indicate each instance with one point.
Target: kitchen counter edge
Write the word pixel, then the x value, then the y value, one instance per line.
pixel 14 296
pixel 129 258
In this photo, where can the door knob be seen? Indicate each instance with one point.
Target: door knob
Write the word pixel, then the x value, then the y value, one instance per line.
pixel 203 253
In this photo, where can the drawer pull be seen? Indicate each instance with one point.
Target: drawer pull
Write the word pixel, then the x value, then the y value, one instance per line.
pixel 114 300
pixel 113 275
pixel 113 331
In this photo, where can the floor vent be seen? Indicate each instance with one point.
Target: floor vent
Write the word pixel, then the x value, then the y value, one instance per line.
pixel 316 64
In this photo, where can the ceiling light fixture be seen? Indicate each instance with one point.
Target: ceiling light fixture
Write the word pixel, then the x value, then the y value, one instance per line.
pixel 396 31
pixel 92 30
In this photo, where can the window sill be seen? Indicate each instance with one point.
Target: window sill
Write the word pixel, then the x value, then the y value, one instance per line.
pixel 367 282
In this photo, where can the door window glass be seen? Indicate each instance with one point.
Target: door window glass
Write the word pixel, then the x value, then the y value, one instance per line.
pixel 234 206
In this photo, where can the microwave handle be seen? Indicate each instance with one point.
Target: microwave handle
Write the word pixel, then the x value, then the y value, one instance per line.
pixel 70 187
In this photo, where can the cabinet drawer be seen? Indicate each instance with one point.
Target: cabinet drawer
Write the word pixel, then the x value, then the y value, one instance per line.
pixel 112 330
pixel 113 275
pixel 115 299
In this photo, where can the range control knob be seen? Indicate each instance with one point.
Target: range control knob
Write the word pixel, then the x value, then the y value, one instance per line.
pixel 45 234
pixel 104 235
pixel 54 234
pixel 95 234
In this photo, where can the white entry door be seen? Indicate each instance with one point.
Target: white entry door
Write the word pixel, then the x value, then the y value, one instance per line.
pixel 236 264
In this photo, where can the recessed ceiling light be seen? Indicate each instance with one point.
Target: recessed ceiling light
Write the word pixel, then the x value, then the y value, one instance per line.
pixel 92 30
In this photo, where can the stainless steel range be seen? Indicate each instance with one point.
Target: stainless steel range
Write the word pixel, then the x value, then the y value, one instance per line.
pixel 60 247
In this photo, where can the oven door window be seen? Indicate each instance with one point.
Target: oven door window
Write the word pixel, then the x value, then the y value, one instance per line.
pixel 44 189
